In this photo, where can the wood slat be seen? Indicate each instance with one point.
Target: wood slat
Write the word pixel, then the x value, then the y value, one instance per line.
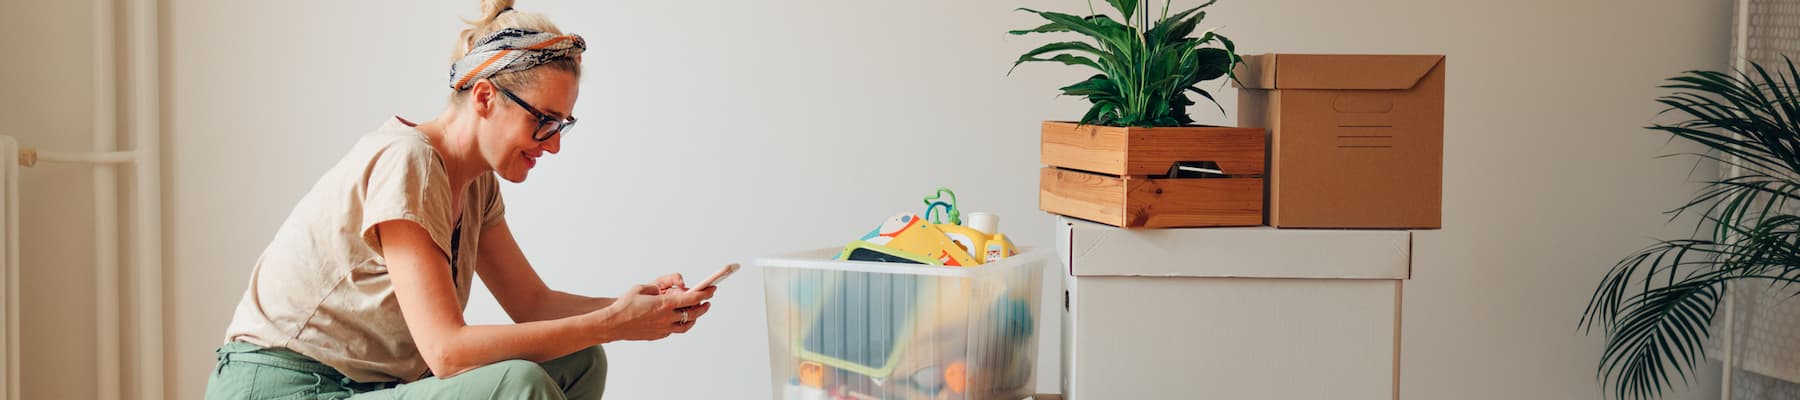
pixel 1150 151
pixel 1092 197
pixel 1087 148
pixel 1174 203
pixel 1137 202
pixel 1239 151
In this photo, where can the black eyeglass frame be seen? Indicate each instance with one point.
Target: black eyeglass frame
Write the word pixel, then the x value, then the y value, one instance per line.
pixel 539 134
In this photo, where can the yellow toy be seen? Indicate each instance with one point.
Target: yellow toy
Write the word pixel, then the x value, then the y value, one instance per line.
pixel 979 238
pixel 968 239
pixel 909 233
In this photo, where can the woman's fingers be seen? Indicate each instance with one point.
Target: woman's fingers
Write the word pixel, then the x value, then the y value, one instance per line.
pixel 690 315
pixel 695 312
pixel 650 290
pixel 689 299
pixel 669 281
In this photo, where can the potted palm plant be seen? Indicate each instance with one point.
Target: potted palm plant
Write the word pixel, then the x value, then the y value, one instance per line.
pixel 1114 164
pixel 1656 306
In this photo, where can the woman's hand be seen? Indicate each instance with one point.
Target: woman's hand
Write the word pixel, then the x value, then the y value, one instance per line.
pixel 653 311
pixel 670 283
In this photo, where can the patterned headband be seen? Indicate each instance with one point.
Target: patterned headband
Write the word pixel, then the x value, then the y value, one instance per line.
pixel 512 49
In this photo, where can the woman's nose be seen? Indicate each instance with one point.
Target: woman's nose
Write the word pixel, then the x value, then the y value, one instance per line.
pixel 553 145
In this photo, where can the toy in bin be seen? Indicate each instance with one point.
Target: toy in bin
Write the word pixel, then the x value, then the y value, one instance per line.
pixel 981 237
pixel 874 335
pixel 909 238
pixel 898 336
pixel 863 323
pixel 912 239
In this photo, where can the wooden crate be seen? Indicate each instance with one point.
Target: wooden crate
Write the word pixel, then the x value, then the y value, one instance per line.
pixel 1106 174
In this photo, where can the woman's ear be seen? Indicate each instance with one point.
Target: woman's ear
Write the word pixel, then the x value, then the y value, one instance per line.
pixel 483 98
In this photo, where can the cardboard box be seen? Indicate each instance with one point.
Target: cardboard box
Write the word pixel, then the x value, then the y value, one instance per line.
pixel 1356 141
pixel 1231 313
pixel 1118 175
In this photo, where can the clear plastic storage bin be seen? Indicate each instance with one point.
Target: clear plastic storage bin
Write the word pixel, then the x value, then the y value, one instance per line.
pixel 852 329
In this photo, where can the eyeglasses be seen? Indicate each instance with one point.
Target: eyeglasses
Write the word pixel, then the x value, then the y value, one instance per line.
pixel 547 126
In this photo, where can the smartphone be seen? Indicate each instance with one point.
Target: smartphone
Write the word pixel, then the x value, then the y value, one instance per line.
pixel 715 278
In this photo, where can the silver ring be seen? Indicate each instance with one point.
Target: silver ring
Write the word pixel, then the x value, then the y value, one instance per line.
pixel 684 317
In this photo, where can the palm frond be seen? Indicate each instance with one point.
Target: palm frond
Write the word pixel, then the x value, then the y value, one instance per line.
pixel 1656 306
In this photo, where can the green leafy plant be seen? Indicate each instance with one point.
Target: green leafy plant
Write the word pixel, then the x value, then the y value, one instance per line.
pixel 1145 74
pixel 1657 306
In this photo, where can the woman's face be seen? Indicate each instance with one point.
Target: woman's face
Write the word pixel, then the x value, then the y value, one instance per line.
pixel 508 144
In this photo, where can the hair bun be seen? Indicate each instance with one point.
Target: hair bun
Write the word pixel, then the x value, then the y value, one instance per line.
pixel 491 9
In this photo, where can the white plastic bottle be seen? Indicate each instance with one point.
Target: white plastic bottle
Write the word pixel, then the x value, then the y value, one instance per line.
pixel 997 246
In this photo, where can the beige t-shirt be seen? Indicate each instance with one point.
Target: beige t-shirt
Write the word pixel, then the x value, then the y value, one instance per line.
pixel 321 288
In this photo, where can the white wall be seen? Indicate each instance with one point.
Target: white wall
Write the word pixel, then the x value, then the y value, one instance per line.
pixel 717 131
pixel 48 103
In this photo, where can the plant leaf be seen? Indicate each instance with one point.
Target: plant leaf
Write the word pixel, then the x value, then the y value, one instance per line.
pixel 1055 47
pixel 1067 59
pixel 1175 27
pixel 1125 7
pixel 1045 28
pixel 1211 63
pixel 1097 85
pixel 1099 27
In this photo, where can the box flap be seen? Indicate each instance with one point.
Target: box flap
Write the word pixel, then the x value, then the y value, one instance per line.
pixel 1092 249
pixel 1256 72
pixel 1335 71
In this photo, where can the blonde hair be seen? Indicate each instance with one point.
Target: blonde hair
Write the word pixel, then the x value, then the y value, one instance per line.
pixel 497 15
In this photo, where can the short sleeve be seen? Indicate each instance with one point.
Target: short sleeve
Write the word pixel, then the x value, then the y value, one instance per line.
pixel 405 182
pixel 495 209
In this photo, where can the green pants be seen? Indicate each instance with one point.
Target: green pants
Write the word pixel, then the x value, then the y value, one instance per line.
pixel 249 372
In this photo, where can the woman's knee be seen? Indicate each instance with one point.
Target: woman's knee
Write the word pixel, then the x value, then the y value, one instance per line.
pixel 590 382
pixel 521 376
pixel 588 361
pixel 596 358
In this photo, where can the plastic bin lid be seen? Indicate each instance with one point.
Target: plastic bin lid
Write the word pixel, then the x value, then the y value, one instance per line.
pixel 822 259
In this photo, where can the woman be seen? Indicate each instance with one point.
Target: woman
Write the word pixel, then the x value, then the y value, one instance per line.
pixel 361 292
